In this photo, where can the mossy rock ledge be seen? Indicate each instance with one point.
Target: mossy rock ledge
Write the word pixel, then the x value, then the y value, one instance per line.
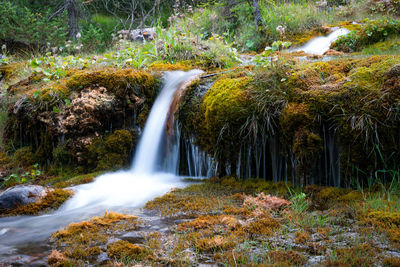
pixel 60 119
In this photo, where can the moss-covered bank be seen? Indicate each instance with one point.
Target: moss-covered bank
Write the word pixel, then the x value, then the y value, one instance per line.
pixel 323 122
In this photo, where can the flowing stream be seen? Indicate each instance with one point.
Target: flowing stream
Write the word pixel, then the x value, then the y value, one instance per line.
pixel 319 45
pixel 119 191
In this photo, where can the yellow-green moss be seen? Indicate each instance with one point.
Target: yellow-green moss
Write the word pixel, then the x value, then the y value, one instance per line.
pixel 294 116
pixel 225 101
pixel 81 242
pixel 117 81
pixel 164 66
pixel 76 180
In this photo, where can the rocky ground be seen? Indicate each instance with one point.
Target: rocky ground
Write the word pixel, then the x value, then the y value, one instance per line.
pixel 223 222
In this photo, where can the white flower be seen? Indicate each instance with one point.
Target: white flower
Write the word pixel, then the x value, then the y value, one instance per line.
pixel 78 35
pixel 3 47
pixel 281 29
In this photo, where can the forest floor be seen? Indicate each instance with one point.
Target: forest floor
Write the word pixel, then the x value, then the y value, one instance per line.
pixel 224 222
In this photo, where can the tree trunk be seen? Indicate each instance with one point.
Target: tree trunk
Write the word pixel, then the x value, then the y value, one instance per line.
pixel 257 15
pixel 72 17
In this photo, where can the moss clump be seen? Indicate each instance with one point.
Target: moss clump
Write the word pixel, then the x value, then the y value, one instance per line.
pixel 383 218
pixel 4 159
pixel 119 82
pixel 286 258
pixel 225 101
pixel 110 152
pixel 52 200
pixel 263 227
pixel 82 242
pixel 294 116
pixel 163 66
pixel 391 261
pixel 23 157
pixel 125 250
pixel 76 180
pixel 360 255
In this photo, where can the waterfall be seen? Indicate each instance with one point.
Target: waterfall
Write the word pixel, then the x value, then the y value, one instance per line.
pixel 320 45
pixel 118 191
pixel 147 157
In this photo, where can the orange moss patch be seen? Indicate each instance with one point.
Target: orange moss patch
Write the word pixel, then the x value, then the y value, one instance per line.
pixel 266 226
pixel 302 237
pixel 125 250
pixel 384 219
pixel 82 242
pixel 360 255
pixel 392 262
pixel 209 222
pixel 286 258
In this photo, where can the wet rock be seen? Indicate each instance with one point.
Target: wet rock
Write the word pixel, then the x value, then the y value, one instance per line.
pixel 102 258
pixel 134 237
pixel 21 195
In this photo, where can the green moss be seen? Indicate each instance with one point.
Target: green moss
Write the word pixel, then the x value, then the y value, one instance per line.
pixel 110 152
pixel 23 157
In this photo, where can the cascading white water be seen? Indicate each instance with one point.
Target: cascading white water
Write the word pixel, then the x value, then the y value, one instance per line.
pixel 117 191
pixel 319 45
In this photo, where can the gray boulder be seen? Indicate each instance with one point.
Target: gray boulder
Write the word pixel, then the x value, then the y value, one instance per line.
pixel 21 195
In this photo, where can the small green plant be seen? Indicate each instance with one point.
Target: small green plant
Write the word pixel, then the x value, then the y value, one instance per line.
pixel 29 176
pixel 299 201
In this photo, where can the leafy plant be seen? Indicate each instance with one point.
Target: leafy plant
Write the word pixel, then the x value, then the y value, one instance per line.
pixel 299 201
pixel 29 176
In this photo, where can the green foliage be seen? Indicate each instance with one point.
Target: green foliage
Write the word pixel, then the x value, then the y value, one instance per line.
pixel 299 201
pixel 372 32
pixel 92 38
pixel 21 24
pixel 236 25
pixel 29 176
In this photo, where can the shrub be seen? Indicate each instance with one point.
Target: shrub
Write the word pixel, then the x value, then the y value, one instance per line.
pixel 372 32
pixel 23 26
